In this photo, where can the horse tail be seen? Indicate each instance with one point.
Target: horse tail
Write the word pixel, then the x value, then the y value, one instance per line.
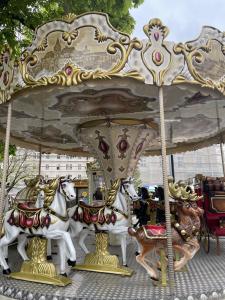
pixel 132 231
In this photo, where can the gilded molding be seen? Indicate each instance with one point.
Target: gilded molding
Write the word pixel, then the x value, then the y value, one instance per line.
pixel 191 54
pixel 71 74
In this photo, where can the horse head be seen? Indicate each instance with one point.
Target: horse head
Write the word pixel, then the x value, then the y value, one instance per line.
pixel 66 186
pixel 127 187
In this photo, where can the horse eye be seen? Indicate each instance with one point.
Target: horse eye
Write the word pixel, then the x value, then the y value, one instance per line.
pixel 63 185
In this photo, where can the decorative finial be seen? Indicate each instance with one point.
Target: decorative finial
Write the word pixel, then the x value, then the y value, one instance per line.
pixel 155 30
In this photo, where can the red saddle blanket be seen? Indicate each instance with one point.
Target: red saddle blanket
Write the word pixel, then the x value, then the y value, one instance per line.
pixel 29 218
pixel 154 230
pixel 94 215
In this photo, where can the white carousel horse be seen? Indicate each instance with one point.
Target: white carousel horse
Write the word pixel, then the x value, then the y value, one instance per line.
pixel 111 216
pixel 33 187
pixel 51 222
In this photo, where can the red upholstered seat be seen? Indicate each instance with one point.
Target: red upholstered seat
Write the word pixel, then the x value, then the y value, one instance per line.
pixel 156 229
pixel 219 231
pixel 24 206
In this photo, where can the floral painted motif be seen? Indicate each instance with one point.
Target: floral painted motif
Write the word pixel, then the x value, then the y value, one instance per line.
pixel 102 145
pixel 123 144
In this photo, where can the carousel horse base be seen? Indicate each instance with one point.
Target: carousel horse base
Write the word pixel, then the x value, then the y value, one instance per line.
pixel 57 280
pixel 38 269
pixel 101 260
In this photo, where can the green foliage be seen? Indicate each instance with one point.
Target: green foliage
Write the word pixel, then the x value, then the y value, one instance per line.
pixel 12 150
pixel 18 19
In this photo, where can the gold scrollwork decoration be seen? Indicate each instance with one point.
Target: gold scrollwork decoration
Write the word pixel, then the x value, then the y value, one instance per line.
pixel 192 54
pixel 71 74
pixel 156 23
pixel 70 36
pixel 99 36
pixel 69 18
pixel 43 45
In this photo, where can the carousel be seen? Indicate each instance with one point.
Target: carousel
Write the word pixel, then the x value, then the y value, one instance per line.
pixel 83 88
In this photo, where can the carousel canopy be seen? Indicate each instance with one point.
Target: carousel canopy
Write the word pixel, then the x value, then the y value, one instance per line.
pixel 81 69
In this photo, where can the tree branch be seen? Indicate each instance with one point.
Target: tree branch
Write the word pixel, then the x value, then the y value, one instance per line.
pixel 21 20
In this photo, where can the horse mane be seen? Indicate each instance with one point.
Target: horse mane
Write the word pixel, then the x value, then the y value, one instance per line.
pixel 31 190
pixel 112 192
pixel 50 190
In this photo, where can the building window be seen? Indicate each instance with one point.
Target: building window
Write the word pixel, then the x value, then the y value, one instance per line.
pixel 79 167
pixel 69 167
pixel 47 167
pixel 79 176
pixel 58 167
pixel 58 156
pixel 47 156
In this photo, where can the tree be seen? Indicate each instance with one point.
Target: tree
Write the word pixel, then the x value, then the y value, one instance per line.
pixel 18 19
pixel 19 168
pixel 12 150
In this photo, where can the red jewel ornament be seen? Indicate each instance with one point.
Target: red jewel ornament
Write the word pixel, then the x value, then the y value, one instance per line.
pixel 156 36
pixel 158 56
pixel 68 70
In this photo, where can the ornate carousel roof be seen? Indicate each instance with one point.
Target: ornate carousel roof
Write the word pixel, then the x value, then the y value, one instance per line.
pixel 81 69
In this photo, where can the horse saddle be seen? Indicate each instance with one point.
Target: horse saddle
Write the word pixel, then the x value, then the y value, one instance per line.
pixel 93 215
pixel 25 207
pixel 24 216
pixel 154 231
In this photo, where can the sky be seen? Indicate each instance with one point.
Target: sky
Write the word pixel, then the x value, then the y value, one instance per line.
pixel 184 18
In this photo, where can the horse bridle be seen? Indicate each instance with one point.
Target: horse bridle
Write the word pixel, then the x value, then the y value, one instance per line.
pixel 62 189
pixel 123 185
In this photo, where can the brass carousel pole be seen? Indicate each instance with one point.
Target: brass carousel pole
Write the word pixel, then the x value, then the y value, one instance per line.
pixel 40 160
pixel 5 163
pixel 165 184
pixel 221 139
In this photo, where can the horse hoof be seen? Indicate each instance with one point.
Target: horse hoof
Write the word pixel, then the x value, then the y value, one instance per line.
pixel 71 263
pixel 6 271
pixel 137 253
pixel 154 279
pixel 63 274
pixel 49 257
pixel 125 265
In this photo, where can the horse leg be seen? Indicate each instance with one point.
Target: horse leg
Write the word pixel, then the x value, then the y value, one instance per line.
pixel 82 238
pixel 138 248
pixel 123 243
pixel 5 251
pixel 4 242
pixel 22 240
pixel 69 247
pixel 195 245
pixel 141 260
pixel 62 256
pixel 178 265
pixel 49 249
